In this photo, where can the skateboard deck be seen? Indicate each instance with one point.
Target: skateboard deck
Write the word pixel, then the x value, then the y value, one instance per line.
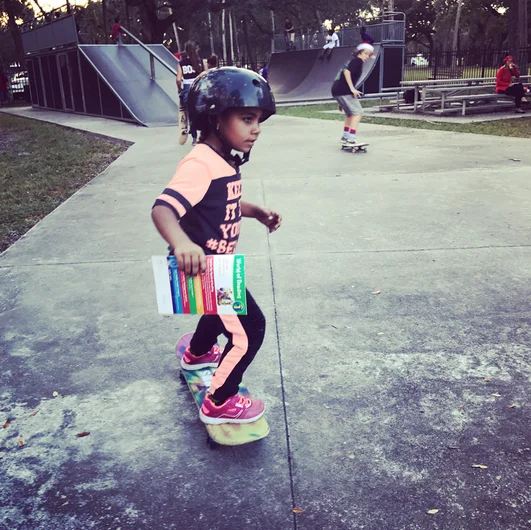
pixel 183 125
pixel 354 148
pixel 226 433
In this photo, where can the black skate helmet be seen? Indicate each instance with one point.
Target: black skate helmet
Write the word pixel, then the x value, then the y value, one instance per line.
pixel 227 88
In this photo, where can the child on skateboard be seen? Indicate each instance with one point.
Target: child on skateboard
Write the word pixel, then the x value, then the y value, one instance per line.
pixel 345 93
pixel 200 213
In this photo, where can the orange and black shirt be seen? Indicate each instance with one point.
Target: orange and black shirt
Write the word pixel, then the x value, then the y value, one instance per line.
pixel 205 196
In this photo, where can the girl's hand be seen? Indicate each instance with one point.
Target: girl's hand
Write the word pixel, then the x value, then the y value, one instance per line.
pixel 190 258
pixel 269 218
pixel 356 93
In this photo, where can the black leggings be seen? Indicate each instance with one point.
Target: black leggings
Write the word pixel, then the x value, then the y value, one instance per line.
pixel 245 335
pixel 517 92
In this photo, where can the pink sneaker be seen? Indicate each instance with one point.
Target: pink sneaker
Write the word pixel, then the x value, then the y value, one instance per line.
pixel 196 362
pixel 237 409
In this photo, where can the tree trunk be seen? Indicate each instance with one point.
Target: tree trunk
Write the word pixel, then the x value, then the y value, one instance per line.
pixel 318 18
pixel 40 8
pixel 210 33
pixel 104 15
pixel 127 17
pixel 236 41
pixel 252 58
pixel 231 35
pixel 522 26
pixel 456 27
pixel 223 35
pixel 175 32
pixel 272 31
pixel 15 31
pixel 513 25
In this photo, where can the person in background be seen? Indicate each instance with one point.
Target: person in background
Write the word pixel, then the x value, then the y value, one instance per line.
pixel 117 34
pixel 504 84
pixel 332 41
pixel 289 35
pixel 212 62
pixel 189 67
pixel 264 72
pixel 365 37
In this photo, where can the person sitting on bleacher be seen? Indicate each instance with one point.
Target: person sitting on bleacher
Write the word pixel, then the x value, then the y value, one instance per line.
pixel 504 84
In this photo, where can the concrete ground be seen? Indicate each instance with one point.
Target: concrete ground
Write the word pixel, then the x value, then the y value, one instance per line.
pixel 396 361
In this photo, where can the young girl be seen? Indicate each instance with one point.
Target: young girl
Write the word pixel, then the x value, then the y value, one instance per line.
pixel 345 93
pixel 188 68
pixel 200 213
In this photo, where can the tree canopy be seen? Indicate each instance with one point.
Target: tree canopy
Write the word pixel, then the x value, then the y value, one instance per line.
pixel 430 23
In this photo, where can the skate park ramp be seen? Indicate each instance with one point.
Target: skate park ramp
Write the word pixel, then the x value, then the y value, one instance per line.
pixel 300 76
pixel 126 70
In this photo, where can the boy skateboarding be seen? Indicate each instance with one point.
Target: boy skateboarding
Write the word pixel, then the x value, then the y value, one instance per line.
pixel 345 93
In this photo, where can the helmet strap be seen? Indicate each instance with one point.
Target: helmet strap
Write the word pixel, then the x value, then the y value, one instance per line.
pixel 226 150
pixel 240 160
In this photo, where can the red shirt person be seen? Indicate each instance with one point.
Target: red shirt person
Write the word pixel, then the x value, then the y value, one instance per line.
pixel 504 84
pixel 117 35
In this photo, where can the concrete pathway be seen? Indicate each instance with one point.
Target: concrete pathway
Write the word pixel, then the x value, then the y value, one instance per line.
pixel 381 406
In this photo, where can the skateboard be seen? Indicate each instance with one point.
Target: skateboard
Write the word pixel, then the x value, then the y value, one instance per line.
pixel 226 433
pixel 354 148
pixel 183 125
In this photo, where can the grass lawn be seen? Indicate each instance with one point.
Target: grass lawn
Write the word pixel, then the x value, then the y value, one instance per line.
pixel 520 127
pixel 41 166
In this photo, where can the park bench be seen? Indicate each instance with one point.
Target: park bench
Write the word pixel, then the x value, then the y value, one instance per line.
pixel 449 96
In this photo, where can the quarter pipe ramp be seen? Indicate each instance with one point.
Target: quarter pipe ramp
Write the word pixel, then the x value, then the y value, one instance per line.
pixel 300 76
pixel 127 71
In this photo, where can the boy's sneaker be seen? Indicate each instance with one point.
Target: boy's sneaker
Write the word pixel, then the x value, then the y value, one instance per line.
pixel 196 362
pixel 351 139
pixel 345 137
pixel 237 409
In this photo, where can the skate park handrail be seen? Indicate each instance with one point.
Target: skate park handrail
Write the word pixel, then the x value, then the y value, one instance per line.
pixel 388 28
pixel 152 56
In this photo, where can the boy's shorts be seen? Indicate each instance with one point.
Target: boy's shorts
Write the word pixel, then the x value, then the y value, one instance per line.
pixel 350 104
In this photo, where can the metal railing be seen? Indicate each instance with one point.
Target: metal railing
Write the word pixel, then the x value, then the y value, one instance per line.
pixel 46 18
pixel 441 64
pixel 152 56
pixel 388 28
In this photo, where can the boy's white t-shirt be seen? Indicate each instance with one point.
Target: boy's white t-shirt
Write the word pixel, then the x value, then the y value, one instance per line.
pixel 332 41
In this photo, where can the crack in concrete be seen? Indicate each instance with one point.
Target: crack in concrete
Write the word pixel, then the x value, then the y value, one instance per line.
pixel 282 386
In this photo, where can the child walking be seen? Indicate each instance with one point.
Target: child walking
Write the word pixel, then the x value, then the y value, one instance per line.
pixel 345 93
pixel 188 68
pixel 200 213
